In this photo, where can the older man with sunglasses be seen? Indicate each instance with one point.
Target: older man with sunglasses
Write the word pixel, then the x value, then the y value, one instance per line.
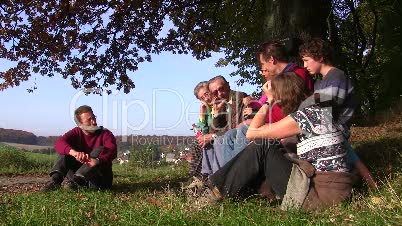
pixel 227 114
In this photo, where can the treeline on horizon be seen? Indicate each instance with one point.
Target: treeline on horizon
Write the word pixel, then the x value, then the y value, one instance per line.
pixel 24 137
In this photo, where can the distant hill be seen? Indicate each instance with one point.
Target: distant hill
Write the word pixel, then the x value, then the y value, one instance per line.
pixel 46 141
pixel 17 136
pixel 30 147
pixel 24 137
pixel 124 143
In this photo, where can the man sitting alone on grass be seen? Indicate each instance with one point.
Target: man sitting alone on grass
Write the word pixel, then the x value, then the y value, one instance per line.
pixel 85 155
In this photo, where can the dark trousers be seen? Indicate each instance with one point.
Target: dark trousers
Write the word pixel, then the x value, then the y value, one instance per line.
pixel 259 161
pixel 98 177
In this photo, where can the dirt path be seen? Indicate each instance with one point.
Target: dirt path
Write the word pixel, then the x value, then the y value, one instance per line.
pixel 17 184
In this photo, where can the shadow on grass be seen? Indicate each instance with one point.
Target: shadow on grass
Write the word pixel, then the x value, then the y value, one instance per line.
pixel 383 157
pixel 156 185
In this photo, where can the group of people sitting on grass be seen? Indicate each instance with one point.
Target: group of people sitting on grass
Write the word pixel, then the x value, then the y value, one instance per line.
pixel 291 144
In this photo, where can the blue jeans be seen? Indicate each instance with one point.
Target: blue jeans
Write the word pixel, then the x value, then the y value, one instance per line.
pixel 223 149
pixel 212 155
pixel 234 141
pixel 207 159
pixel 351 156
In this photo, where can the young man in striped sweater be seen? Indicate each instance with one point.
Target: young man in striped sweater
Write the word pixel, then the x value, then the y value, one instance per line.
pixel 334 87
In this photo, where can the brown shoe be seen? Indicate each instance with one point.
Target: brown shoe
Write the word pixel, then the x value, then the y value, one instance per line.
pixel 266 191
pixel 214 189
pixel 195 182
pixel 51 186
pixel 193 187
pixel 208 197
pixel 71 185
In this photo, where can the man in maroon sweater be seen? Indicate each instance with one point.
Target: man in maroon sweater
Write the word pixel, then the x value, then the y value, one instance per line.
pixel 274 60
pixel 85 154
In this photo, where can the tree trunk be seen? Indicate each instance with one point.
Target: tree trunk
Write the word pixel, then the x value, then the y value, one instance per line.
pixel 295 18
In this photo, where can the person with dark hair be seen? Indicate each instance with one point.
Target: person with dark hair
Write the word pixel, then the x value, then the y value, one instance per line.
pixel 274 59
pixel 336 87
pixel 85 155
pixel 316 177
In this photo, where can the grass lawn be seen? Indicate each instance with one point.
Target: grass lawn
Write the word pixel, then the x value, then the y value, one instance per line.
pixel 153 197
pixel 15 161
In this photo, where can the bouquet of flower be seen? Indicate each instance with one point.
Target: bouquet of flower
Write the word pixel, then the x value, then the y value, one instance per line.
pixel 197 130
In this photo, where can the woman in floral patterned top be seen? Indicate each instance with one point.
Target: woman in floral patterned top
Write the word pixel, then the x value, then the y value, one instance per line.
pixel 320 142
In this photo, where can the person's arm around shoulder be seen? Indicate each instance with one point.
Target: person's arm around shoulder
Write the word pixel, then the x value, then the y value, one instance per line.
pixel 284 128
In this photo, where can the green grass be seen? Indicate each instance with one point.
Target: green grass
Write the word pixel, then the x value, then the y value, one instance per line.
pixel 15 161
pixel 146 204
pixel 152 196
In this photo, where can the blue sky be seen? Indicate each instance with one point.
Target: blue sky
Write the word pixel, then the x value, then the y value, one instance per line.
pixel 162 102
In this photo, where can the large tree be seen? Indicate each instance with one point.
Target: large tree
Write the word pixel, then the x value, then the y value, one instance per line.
pixel 238 27
pixel 366 35
pixel 95 43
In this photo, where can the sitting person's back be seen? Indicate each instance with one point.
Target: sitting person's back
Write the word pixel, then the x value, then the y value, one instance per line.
pixel 321 142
